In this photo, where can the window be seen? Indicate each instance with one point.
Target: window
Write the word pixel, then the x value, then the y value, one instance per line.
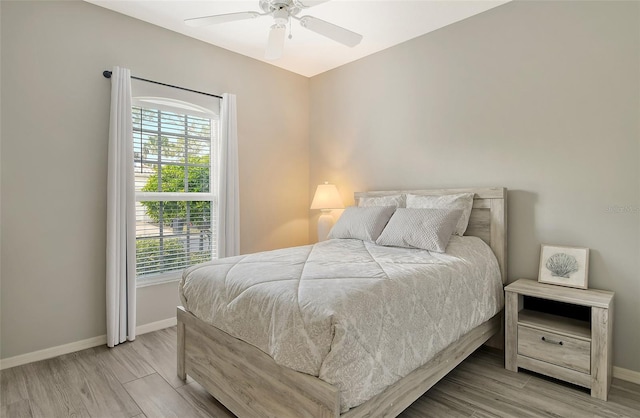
pixel 175 200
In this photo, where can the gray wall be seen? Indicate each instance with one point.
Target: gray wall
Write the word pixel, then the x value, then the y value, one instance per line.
pixel 54 159
pixel 539 97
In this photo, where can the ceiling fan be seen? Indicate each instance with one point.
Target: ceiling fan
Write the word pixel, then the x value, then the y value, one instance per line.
pixel 282 12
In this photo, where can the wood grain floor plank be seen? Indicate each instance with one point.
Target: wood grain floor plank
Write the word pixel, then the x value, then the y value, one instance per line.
pixel 485 401
pixel 412 413
pixel 578 400
pixel 625 393
pixel 522 398
pixel 445 405
pixel 157 398
pixel 18 409
pixel 124 362
pixel 159 351
pixel 49 393
pixel 101 392
pixel 202 400
pixel 13 386
pixel 483 414
pixel 490 365
pixel 434 405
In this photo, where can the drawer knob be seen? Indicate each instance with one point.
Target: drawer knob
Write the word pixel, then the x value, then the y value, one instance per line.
pixel 547 340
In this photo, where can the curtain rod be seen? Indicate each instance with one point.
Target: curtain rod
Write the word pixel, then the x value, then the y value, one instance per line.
pixel 107 74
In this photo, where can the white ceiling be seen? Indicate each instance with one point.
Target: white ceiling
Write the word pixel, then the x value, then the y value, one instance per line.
pixel 383 23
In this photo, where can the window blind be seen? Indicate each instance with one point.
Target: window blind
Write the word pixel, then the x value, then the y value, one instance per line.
pixel 174 164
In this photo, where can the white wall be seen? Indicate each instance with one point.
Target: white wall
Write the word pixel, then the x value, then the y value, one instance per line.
pixel 539 97
pixel 54 159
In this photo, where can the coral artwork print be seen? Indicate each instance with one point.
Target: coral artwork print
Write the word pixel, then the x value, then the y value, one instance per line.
pixel 562 265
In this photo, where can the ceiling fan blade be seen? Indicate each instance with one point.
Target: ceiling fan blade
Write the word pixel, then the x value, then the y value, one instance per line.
pixel 275 44
pixel 305 4
pixel 223 18
pixel 331 31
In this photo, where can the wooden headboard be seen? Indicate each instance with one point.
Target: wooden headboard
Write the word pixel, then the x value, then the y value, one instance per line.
pixel 488 219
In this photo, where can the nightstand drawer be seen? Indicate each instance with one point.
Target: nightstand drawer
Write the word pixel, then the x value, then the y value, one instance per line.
pixel 558 349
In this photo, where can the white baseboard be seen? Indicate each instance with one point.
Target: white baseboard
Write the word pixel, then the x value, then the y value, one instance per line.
pixel 78 345
pixel 52 352
pixel 626 374
pixel 155 326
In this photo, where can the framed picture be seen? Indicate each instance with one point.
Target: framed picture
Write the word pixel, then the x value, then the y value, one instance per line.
pixel 564 266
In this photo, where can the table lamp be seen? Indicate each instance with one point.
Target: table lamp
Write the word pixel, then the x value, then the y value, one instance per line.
pixel 325 199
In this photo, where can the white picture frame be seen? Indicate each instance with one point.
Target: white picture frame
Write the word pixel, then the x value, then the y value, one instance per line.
pixel 564 266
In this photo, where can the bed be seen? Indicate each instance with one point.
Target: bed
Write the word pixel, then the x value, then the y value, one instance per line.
pixel 251 383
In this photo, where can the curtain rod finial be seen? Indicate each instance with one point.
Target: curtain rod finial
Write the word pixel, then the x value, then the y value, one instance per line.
pixel 106 74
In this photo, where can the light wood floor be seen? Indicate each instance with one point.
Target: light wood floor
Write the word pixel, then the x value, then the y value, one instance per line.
pixel 138 379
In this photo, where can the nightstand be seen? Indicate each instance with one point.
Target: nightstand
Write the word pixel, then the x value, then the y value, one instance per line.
pixel 560 332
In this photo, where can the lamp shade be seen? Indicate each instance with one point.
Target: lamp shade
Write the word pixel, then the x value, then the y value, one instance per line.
pixel 327 197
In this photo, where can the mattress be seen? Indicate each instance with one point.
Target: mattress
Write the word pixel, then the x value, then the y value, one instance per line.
pixel 357 315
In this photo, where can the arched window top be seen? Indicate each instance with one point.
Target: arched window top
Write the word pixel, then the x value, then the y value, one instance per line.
pixel 173 105
pixel 169 99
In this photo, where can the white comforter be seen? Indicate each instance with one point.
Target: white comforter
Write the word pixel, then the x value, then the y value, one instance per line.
pixel 357 315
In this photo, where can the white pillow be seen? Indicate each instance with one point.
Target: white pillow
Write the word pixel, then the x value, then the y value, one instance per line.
pixel 429 229
pixel 395 200
pixel 364 224
pixel 463 201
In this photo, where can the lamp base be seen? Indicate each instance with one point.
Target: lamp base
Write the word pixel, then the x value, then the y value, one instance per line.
pixel 325 222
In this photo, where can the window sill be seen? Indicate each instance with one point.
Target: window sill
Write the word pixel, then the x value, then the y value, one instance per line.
pixel 159 279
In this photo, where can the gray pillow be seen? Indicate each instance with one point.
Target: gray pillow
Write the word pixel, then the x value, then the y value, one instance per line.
pixel 364 224
pixel 429 229
pixel 463 201
pixel 395 200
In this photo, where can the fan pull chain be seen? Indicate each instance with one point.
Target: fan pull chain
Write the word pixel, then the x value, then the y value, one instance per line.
pixel 290 36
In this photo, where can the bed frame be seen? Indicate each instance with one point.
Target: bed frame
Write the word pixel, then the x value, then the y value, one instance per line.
pixel 250 384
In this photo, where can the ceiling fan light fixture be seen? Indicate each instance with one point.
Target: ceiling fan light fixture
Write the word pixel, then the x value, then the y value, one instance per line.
pixel 281 17
pixel 275 44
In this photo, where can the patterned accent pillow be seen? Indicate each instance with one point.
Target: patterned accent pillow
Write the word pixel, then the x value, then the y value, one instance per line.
pixel 396 200
pixel 429 229
pixel 463 201
pixel 364 224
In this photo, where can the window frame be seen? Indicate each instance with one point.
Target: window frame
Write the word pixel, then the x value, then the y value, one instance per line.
pixel 179 107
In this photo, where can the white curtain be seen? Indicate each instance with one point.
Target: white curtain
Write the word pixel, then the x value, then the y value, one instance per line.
pixel 228 223
pixel 121 217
